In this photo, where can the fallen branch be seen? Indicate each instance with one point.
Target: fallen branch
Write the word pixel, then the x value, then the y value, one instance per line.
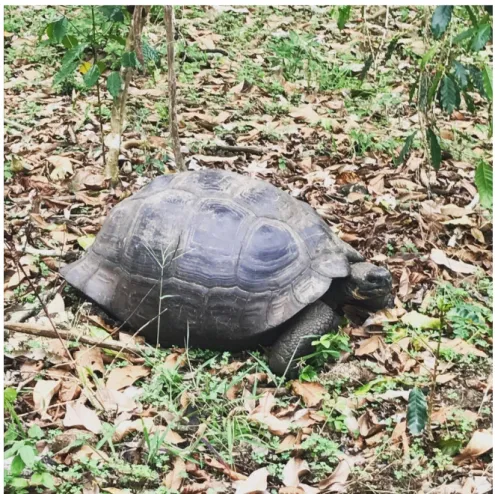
pixel 37 330
pixel 16 124
pixel 241 149
pixel 46 252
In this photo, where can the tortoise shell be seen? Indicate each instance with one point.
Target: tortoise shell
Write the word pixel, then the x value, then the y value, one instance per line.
pixel 210 255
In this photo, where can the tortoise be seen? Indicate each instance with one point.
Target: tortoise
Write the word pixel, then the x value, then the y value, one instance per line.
pixel 218 260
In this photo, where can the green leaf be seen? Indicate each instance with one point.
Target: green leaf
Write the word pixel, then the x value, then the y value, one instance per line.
pixel 464 35
pixel 435 150
pixel 441 19
pixel 119 39
pixel 28 455
pixel 129 59
pixel 471 15
pixel 35 432
pixel 391 47
pixel 47 480
pixel 17 466
pixel 405 150
pixel 114 83
pixel 97 332
pixel 488 82
pixel 427 57
pixel 86 242
pixel 420 321
pixel 112 13
pixel 450 446
pixel 90 78
pixel 14 449
pixel 9 396
pixel 64 72
pixel 57 30
pixel 19 483
pixel 36 478
pixel 469 101
pixel 482 36
pixel 461 74
pixel 476 77
pixel 412 91
pixel 70 41
pixel 150 54
pixel 483 179
pixel 432 90
pixel 450 97
pixel 344 16
pixel 417 412
pixel 73 54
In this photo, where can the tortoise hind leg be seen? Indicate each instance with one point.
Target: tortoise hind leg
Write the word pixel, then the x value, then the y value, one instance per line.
pixel 295 340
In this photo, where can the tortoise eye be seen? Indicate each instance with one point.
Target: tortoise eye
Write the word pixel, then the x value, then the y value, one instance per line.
pixel 380 277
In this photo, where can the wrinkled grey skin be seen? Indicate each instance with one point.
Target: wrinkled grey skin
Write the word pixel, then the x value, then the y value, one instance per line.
pixel 213 259
pixel 368 288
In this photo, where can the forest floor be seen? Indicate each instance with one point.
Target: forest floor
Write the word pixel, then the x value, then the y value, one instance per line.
pixel 97 420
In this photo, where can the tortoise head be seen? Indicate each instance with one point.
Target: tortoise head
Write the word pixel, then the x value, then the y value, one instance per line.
pixel 368 287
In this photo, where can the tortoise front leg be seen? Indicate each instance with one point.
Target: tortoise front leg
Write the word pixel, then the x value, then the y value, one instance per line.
pixel 315 320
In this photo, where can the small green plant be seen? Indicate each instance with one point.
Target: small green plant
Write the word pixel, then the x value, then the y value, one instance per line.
pixel 449 72
pixel 22 450
pixel 300 57
pixel 328 346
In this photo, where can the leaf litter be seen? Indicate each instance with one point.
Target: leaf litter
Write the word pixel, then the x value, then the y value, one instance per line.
pixel 424 226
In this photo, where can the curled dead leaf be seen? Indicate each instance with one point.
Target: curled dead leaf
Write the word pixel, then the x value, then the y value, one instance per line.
pixel 79 415
pixel 480 443
pixel 257 482
pixel 122 377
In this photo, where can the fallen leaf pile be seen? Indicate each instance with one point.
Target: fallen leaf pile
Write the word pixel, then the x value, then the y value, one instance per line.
pixel 334 147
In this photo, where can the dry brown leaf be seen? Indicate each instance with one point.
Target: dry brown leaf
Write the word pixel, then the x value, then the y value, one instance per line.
pixel 43 393
pixel 478 235
pixel 455 211
pixel 121 377
pixel 69 391
pixel 287 444
pixel 79 415
pixel 311 393
pixel 87 452
pixel 90 358
pixel 306 113
pixel 293 470
pixel 255 483
pixel 439 257
pixel 480 443
pixel 445 378
pixel 127 427
pixel 115 401
pixel 232 474
pixel 399 430
pixel 233 391
pixel 175 478
pixel 30 369
pixel 369 346
pixel 462 347
pixel 198 488
pixel 173 361
pixel 63 166
pixel 291 490
pixel 56 305
pixel 337 480
pixel 276 426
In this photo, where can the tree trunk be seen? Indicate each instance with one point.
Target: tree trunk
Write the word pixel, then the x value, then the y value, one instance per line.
pixel 172 88
pixel 114 139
